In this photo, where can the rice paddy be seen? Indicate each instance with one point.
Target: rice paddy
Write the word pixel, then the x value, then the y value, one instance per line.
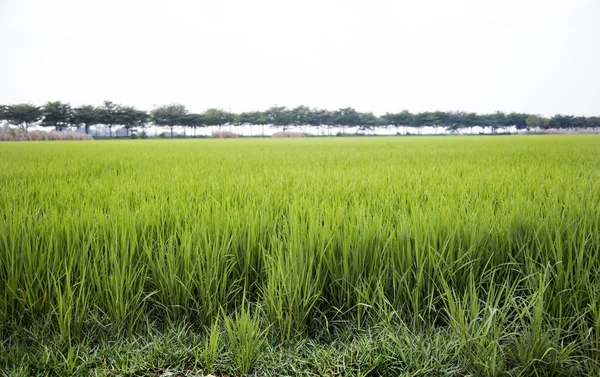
pixel 344 256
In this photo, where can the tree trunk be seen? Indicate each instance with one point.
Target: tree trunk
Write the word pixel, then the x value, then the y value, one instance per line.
pixel 110 131
pixel 171 130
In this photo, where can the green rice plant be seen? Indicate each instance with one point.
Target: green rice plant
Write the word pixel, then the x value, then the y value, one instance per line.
pixel 118 273
pixel 212 347
pixel 245 338
pixel 491 243
pixel 479 324
pixel 294 278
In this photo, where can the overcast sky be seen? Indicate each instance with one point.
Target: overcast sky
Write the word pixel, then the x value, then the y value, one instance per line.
pixel 528 56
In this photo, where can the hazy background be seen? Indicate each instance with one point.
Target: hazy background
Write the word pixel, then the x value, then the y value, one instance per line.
pixel 526 56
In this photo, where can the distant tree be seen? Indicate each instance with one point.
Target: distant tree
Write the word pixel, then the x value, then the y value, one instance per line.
pixel 579 122
pixel 280 116
pixel 397 120
pixel 3 115
pixel 170 116
pixel 131 118
pixel 57 114
pixel 560 121
pixel 470 121
pixel 455 120
pixel 262 119
pixel 109 115
pixel 442 119
pixel 497 120
pixel 485 121
pixel 319 118
pixel 251 118
pixel 218 117
pixel 86 116
pixel 369 122
pixel 537 122
pixel 300 116
pixel 518 120
pixel 425 119
pixel 23 115
pixel 194 121
pixel 593 122
pixel 347 118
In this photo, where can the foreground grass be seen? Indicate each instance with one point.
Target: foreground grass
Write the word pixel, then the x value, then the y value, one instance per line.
pixel 387 256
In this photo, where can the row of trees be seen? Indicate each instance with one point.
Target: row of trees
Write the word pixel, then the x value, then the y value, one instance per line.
pixel 61 116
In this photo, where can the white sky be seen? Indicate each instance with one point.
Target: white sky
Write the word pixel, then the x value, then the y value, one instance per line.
pixel 529 56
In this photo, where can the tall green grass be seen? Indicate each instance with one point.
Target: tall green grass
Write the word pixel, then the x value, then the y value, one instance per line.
pixel 493 239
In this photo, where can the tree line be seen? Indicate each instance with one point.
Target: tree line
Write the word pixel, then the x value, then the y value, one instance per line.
pixel 62 116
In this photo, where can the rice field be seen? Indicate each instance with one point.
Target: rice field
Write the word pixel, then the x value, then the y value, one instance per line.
pixel 436 255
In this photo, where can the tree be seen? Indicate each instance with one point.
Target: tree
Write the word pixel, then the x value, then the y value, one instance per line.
pixel 252 118
pixel 86 116
pixel 561 121
pixel 455 121
pixel 425 119
pixel 470 120
pixel 23 115
pixel 401 119
pixel 519 120
pixel 318 118
pixel 346 118
pixel 280 116
pixel 130 118
pixel 368 121
pixel 497 120
pixel 300 116
pixel 109 113
pixel 170 116
pixel 217 117
pixel 194 121
pixel 442 119
pixel 537 122
pixel 57 114
pixel 579 122
pixel 593 122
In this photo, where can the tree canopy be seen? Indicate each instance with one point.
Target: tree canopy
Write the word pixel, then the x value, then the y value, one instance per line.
pixel 22 115
pixel 60 116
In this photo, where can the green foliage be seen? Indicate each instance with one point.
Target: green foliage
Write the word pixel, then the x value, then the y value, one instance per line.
pixel 217 117
pixel 280 116
pixel 131 118
pixel 537 122
pixel 87 116
pixel 108 115
pixel 22 115
pixel 58 115
pixel 212 347
pixel 245 338
pixel 170 116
